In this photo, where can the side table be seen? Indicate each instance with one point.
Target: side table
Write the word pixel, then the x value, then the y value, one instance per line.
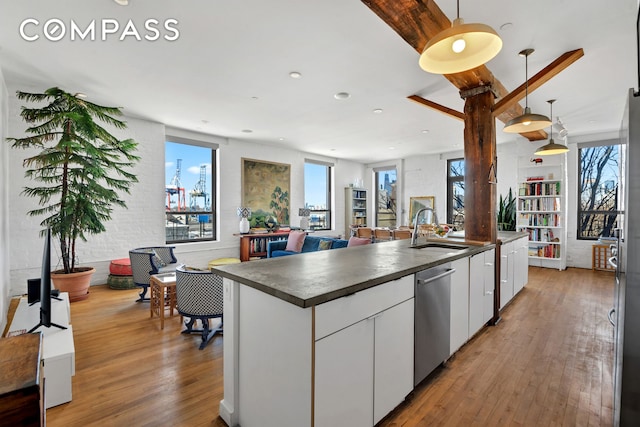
pixel 163 295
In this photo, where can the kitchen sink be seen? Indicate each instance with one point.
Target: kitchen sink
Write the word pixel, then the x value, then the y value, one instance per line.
pixel 441 247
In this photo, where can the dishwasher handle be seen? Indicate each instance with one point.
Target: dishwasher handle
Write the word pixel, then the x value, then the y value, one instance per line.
pixel 449 272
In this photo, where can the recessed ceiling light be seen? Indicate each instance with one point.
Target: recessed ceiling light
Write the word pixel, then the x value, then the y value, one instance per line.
pixel 392 148
pixel 255 98
pixel 247 130
pixel 341 95
pixel 281 139
pixel 332 149
pixel 295 75
pixel 377 111
pixel 506 26
pixel 592 121
pixel 425 130
pixel 205 121
pixel 122 2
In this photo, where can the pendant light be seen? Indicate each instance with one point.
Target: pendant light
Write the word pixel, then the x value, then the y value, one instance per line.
pixel 528 122
pixel 551 147
pixel 460 48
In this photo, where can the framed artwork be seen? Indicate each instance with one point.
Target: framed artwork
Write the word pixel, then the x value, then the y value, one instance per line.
pixel 266 188
pixel 419 202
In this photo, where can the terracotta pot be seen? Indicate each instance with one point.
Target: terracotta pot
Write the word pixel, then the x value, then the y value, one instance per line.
pixel 76 284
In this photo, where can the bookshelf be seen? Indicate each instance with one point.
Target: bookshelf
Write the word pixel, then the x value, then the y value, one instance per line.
pixel 355 201
pixel 254 246
pixel 541 210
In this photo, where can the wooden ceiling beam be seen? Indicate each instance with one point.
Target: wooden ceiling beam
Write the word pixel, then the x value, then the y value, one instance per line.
pixel 548 72
pixel 438 107
pixel 417 21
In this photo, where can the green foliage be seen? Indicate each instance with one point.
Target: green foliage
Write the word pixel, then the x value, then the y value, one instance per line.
pixel 507 213
pixel 81 167
pixel 280 205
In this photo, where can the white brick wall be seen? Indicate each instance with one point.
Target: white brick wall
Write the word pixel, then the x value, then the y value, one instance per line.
pixel 142 224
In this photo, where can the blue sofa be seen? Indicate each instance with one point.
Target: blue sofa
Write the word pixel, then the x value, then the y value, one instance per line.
pixel 277 248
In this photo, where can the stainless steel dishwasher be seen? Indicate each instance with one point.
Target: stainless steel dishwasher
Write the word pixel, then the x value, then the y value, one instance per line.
pixel 432 319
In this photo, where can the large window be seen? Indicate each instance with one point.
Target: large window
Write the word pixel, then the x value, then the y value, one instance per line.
pixel 189 195
pixel 598 184
pixel 386 196
pixel 455 193
pixel 317 193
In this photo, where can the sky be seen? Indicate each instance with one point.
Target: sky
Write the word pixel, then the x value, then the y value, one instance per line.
pixel 192 158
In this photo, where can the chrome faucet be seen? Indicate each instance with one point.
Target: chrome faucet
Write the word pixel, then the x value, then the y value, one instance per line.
pixel 414 235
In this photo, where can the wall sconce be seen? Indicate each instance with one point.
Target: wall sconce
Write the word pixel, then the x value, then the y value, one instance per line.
pixel 244 213
pixel 304 214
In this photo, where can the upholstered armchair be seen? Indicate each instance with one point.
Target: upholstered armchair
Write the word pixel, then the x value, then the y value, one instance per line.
pixel 146 262
pixel 200 297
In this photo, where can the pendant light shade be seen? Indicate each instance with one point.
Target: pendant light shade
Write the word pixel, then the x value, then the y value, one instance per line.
pixel 460 48
pixel 551 148
pixel 528 122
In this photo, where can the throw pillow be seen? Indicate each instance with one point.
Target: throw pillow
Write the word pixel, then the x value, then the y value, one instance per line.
pixel 324 245
pixel 358 241
pixel 295 241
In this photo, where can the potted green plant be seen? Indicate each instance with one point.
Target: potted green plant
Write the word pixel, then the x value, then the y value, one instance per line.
pixel 507 212
pixel 79 167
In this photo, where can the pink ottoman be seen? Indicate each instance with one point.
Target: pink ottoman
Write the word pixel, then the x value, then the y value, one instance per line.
pixel 120 267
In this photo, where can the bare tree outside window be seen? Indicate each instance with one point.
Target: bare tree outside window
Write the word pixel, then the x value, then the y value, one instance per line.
pixel 455 193
pixel 598 201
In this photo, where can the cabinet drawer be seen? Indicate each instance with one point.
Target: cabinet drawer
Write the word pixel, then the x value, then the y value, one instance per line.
pixel 338 314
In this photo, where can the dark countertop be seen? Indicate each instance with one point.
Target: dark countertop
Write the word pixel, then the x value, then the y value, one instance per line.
pixel 315 277
pixel 509 236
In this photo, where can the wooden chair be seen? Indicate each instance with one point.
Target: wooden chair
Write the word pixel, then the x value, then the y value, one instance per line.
pixel 382 234
pixel 200 297
pixel 400 234
pixel 364 232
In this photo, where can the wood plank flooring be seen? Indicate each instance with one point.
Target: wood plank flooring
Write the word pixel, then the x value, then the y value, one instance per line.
pixel 548 362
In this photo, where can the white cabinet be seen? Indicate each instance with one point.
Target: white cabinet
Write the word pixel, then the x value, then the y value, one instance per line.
pixel 481 287
pixel 507 255
pixel 521 264
pixel 344 377
pixel 393 366
pixel 364 354
pixel 459 304
pixel 541 210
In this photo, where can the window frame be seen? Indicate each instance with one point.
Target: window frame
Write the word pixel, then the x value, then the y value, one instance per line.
pixel 212 211
pixel 451 180
pixel 329 195
pixel 619 212
pixel 376 172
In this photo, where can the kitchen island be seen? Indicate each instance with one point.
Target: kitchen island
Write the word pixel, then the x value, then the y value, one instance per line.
pixel 325 338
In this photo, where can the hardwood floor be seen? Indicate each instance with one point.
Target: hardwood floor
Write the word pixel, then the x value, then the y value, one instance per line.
pixel 548 362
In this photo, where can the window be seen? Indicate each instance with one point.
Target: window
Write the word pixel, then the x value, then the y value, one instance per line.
pixel 189 197
pixel 598 183
pixel 455 193
pixel 385 196
pixel 317 193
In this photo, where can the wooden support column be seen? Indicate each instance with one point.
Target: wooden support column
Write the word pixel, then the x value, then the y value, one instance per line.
pixel 480 165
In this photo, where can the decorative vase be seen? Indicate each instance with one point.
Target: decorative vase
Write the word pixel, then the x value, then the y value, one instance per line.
pixel 244 225
pixel 76 284
pixel 304 223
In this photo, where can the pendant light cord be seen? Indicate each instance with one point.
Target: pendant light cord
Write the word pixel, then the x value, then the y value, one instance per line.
pixel 526 81
pixel 458 9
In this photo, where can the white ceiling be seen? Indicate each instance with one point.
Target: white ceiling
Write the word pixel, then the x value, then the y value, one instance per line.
pixel 229 69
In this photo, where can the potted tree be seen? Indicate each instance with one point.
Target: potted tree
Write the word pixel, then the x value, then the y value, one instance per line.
pixel 79 167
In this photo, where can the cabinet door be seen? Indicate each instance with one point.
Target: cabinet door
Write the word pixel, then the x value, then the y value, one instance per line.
pixel 521 265
pixel 344 377
pixel 506 273
pixel 476 293
pixel 459 304
pixel 393 360
pixel 488 275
